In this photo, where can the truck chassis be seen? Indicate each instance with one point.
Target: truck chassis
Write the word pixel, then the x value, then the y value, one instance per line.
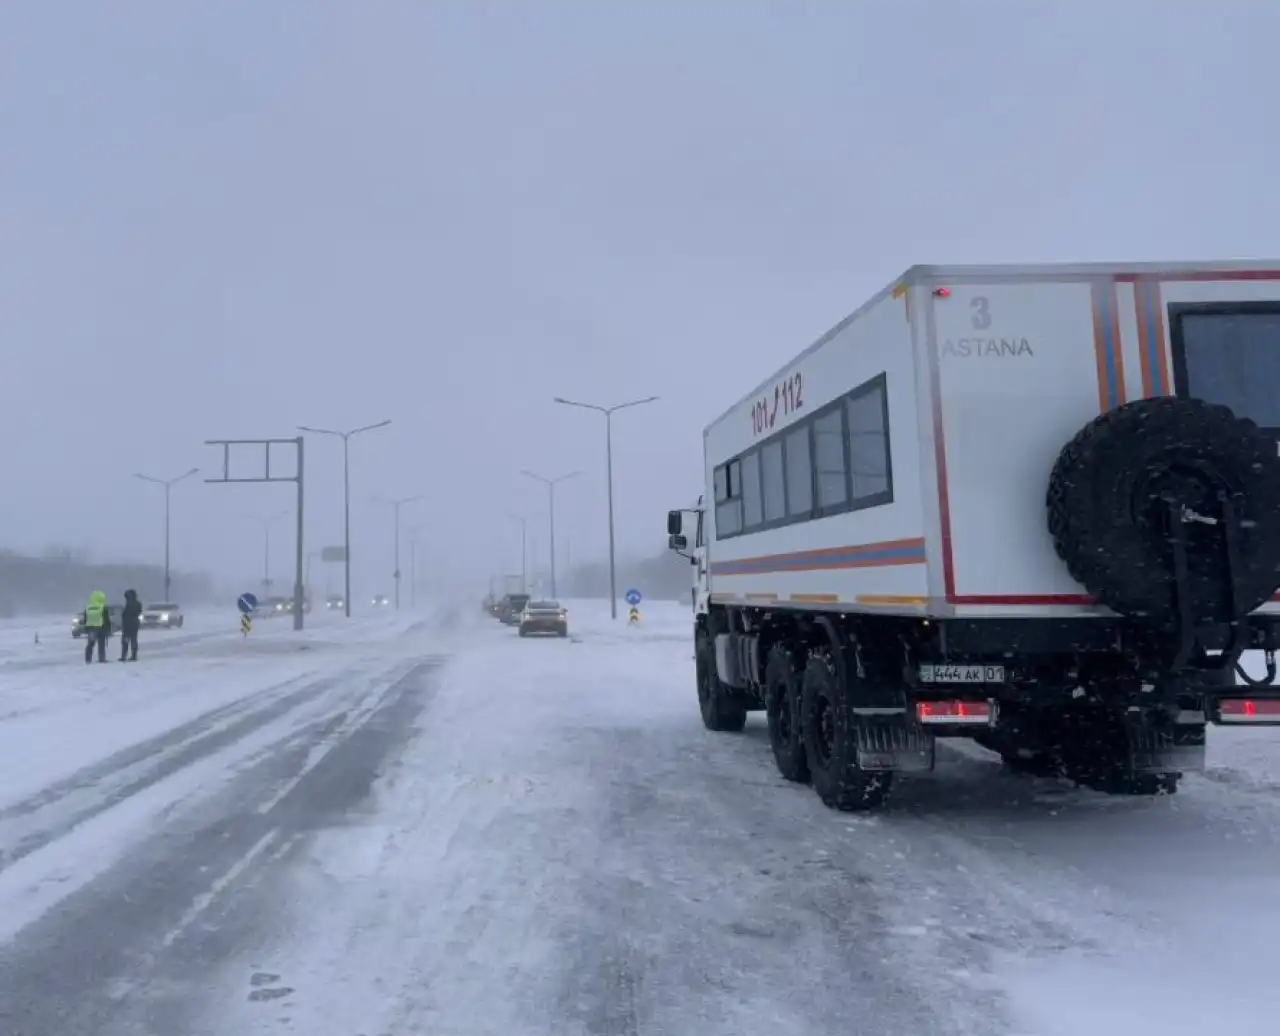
pixel 850 700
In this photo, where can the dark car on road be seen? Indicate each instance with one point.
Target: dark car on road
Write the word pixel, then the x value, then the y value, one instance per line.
pixel 510 607
pixel 544 617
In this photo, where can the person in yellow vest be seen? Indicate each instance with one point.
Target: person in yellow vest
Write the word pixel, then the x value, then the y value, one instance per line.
pixel 97 626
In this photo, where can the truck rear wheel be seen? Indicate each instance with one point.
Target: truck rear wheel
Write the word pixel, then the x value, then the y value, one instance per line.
pixel 721 712
pixel 831 743
pixel 784 685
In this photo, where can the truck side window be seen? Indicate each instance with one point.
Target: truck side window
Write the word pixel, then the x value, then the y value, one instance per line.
pixel 722 483
pixel 699 541
pixel 831 473
pixel 799 467
pixel 773 488
pixel 752 503
pixel 729 509
pixel 1220 350
pixel 867 414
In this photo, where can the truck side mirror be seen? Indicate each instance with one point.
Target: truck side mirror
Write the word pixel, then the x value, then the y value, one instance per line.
pixel 675 523
pixel 677 543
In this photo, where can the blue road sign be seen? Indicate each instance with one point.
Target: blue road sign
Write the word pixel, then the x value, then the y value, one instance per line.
pixel 247 603
pixel 633 597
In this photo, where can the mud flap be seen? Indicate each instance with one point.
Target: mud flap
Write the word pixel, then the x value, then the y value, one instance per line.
pixel 1176 749
pixel 894 747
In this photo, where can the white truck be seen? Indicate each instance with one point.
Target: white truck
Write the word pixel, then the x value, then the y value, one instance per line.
pixel 1037 506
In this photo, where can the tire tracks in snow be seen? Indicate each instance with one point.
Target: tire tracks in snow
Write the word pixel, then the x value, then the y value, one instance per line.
pixel 35 822
pixel 132 950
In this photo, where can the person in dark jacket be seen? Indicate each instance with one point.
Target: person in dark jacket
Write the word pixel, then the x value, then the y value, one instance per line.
pixel 130 623
pixel 97 626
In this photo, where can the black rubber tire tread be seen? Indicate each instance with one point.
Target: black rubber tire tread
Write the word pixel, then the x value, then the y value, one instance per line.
pixel 839 781
pixel 720 712
pixel 784 685
pixel 1103 531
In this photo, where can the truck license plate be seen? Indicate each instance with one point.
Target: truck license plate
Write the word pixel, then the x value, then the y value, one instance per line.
pixel 962 674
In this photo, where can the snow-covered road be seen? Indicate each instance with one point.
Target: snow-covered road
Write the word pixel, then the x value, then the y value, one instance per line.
pixel 429 827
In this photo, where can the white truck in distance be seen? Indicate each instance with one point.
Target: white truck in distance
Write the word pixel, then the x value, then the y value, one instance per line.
pixel 1037 506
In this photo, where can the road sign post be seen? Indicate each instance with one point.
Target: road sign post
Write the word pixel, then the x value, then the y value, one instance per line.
pixel 269 476
pixel 633 597
pixel 246 604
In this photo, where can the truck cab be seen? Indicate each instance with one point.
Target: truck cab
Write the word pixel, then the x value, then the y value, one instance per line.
pixel 684 526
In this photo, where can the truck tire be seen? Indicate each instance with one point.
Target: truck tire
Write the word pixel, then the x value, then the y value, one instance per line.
pixel 721 711
pixel 1108 520
pixel 784 685
pixel 830 741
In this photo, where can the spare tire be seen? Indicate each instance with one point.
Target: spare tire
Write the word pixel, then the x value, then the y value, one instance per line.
pixel 1109 515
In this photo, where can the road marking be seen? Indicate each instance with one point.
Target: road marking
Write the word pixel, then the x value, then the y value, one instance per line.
pixel 203 901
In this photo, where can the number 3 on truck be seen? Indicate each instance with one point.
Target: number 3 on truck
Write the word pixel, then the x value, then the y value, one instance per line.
pixel 787 399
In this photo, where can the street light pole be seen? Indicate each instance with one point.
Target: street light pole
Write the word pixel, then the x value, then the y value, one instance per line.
pixel 395 507
pixel 413 569
pixel 266 548
pixel 550 483
pixel 414 533
pixel 608 412
pixel 168 484
pixel 524 550
pixel 346 497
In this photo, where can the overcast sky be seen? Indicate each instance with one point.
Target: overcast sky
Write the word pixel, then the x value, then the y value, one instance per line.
pixel 225 219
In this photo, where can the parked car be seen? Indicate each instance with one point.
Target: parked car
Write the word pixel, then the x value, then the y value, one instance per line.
pixel 113 613
pixel 544 617
pixel 510 608
pixel 167 616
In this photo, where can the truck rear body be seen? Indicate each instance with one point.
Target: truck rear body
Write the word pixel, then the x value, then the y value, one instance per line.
pixel 1037 506
pixel 986 373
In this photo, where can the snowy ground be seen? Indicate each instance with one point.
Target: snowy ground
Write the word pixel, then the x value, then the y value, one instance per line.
pixel 426 826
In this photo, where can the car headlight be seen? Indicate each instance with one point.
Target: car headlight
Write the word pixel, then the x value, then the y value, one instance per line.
pixel 164 616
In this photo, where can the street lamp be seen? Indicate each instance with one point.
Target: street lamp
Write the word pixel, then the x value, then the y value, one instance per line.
pixel 608 412
pixel 346 496
pixel 550 483
pixel 266 547
pixel 395 506
pixel 168 484
pixel 524 550
pixel 414 533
